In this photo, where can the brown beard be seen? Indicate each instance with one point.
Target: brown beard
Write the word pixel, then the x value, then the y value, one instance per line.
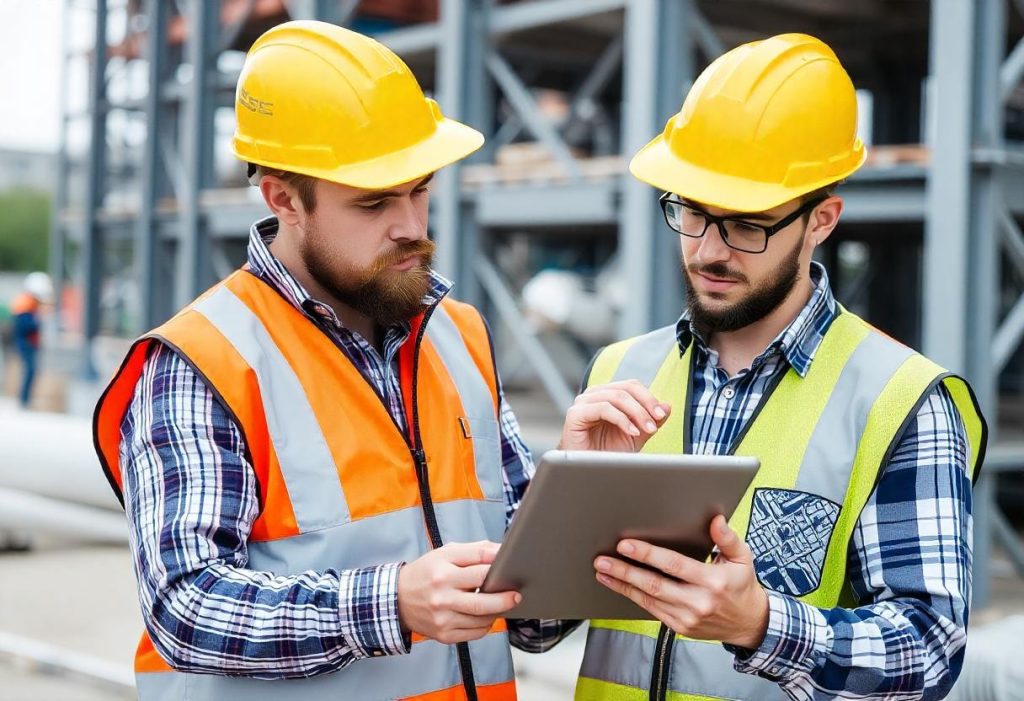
pixel 377 292
pixel 762 300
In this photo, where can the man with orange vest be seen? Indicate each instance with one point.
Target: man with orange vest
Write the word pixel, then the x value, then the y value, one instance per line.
pixel 25 310
pixel 315 455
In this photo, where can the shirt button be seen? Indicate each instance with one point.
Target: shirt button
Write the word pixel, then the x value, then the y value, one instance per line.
pixel 775 671
pixel 728 392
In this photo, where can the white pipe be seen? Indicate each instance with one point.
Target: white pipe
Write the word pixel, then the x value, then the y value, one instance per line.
pixel 52 455
pixel 61 661
pixel 21 512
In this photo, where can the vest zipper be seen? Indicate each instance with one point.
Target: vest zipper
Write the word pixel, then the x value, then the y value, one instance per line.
pixel 666 636
pixel 662 660
pixel 429 514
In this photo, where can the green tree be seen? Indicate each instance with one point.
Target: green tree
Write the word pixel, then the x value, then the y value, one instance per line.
pixel 24 229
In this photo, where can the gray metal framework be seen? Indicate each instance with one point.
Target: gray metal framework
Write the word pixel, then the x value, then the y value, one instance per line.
pixel 967 219
pixel 967 200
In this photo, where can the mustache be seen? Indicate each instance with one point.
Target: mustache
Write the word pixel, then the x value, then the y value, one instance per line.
pixel 716 270
pixel 424 249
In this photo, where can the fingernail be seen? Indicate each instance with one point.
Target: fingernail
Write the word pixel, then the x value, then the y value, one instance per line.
pixel 603 579
pixel 517 598
pixel 651 428
pixel 626 547
pixel 634 431
pixel 603 564
pixel 659 413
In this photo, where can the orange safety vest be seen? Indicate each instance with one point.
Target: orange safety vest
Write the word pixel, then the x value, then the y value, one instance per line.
pixel 340 486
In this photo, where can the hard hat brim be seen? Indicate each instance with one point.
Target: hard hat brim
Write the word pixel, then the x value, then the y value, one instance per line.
pixel 451 141
pixel 656 165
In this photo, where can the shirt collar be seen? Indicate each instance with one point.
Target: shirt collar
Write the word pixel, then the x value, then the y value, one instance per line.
pixel 267 267
pixel 799 341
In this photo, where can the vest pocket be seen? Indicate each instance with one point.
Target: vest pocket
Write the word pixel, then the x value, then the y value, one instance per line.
pixel 789 534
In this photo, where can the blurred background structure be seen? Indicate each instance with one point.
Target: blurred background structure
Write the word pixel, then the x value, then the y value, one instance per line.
pixel 543 228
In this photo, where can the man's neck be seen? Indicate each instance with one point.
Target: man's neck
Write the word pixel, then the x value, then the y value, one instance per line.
pixel 737 349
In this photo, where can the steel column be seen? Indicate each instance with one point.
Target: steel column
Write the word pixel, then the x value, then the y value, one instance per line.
pixel 194 270
pixel 657 61
pixel 147 243
pixel 961 273
pixel 92 252
pixel 58 236
pixel 464 93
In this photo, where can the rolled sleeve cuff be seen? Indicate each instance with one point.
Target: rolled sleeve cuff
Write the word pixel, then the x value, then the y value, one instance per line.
pixel 368 599
pixel 796 641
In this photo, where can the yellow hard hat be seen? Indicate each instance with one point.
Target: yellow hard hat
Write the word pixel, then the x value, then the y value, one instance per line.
pixel 765 123
pixel 320 100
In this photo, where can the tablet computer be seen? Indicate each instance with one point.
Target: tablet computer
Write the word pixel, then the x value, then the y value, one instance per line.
pixel 582 503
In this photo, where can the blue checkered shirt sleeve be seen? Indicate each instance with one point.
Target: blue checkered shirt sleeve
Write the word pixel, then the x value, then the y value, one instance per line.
pixel 910 570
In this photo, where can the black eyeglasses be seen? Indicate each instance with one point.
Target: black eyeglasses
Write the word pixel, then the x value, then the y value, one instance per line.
pixel 737 233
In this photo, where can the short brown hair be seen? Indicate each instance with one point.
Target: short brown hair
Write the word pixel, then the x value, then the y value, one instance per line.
pixel 820 194
pixel 303 184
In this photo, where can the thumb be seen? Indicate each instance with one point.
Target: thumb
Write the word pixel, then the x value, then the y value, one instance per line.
pixel 730 545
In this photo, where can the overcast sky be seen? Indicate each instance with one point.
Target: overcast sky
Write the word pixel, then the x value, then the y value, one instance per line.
pixel 30 37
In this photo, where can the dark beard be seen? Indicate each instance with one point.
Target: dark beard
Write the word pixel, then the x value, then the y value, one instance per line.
pixel 386 296
pixel 761 302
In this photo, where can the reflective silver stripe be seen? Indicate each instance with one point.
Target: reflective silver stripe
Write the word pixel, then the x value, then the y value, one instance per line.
pixel 705 669
pixel 645 357
pixel 396 536
pixel 477 400
pixel 430 666
pixel 306 462
pixel 828 460
pixel 619 657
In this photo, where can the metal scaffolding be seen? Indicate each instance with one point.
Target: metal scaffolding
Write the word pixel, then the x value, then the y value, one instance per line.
pixel 937 227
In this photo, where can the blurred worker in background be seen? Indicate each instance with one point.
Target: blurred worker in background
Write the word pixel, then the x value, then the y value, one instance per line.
pixel 854 579
pixel 26 320
pixel 315 456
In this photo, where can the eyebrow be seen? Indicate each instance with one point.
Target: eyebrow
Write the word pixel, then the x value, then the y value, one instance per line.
pixel 375 195
pixel 747 216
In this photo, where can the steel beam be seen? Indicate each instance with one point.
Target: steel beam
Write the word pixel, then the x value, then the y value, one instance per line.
pixel 656 64
pixel 58 237
pixel 961 241
pixel 525 106
pixel 464 94
pixel 538 13
pixel 948 185
pixel 577 204
pixel 147 246
pixel 193 270
pixel 555 385
pixel 92 250
pixel 1012 70
pixel 1012 240
pixel 425 37
pixel 1007 339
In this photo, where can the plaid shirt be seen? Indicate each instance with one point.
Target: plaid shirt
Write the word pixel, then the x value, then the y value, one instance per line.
pixel 909 560
pixel 191 498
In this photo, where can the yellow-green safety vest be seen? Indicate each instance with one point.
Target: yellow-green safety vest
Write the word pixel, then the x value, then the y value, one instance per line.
pixel 821 440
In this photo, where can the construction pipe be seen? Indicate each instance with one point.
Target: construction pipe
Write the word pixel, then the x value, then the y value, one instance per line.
pixel 31 514
pixel 52 455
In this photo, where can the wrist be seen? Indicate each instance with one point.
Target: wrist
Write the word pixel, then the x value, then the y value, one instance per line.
pixel 753 636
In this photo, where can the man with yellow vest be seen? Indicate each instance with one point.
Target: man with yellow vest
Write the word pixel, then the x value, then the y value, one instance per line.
pixel 845 571
pixel 315 455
